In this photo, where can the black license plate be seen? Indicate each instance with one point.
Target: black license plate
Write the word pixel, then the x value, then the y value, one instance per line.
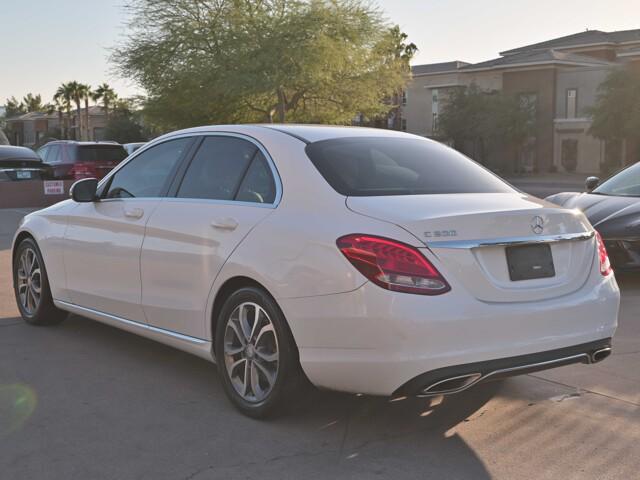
pixel 527 262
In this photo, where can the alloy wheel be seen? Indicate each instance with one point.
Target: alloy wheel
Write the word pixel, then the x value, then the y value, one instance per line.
pixel 29 281
pixel 251 352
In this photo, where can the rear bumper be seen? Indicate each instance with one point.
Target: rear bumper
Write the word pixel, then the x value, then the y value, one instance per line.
pixel 376 342
pixel 624 254
pixel 458 378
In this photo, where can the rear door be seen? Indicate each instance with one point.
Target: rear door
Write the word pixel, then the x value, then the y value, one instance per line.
pixel 103 238
pixel 229 186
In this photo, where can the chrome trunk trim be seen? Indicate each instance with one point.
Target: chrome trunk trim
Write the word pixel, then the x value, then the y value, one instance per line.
pixel 509 241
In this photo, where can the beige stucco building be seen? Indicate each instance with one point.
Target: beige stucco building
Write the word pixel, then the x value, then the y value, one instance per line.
pixel 559 77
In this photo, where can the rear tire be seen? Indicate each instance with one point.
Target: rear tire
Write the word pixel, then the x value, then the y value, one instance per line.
pixel 31 287
pixel 256 355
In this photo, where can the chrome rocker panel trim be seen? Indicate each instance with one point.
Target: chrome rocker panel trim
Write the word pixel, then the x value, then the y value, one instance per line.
pixel 197 346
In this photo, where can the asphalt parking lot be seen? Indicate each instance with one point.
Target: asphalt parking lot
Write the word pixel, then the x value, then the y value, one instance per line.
pixel 87 401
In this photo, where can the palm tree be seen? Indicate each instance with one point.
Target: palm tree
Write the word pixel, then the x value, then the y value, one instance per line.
pixel 62 99
pixel 108 96
pixel 86 94
pixel 76 91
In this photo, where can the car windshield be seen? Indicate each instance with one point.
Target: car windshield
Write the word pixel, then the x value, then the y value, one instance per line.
pixel 366 166
pixel 624 184
pixel 101 153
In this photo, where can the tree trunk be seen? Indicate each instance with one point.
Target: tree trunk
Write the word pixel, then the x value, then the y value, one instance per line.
pixel 61 123
pixel 78 134
pixel 282 106
pixel 86 114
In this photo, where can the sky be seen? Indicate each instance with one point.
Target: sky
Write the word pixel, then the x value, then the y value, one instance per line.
pixel 47 42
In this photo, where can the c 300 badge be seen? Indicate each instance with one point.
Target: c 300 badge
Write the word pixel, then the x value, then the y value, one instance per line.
pixel 441 233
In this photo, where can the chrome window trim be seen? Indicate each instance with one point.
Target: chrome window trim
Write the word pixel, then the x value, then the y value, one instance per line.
pixel 510 241
pixel 272 166
pixel 217 202
pixel 274 173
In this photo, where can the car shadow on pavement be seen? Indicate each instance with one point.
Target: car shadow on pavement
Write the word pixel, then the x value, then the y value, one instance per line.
pixel 87 377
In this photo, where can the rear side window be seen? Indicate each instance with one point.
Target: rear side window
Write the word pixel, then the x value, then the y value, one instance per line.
pixel 148 174
pixel 373 166
pixel 54 154
pixel 228 168
pixel 100 153
pixel 43 153
pixel 258 185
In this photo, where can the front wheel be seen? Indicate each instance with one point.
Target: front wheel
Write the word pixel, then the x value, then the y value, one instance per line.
pixel 31 287
pixel 255 352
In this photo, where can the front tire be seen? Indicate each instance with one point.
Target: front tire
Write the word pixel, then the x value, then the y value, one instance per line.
pixel 31 286
pixel 255 352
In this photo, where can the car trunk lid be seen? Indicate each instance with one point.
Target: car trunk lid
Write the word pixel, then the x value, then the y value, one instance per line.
pixel 471 233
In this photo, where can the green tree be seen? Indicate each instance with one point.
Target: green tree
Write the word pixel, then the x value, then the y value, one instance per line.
pixel 76 92
pixel 123 125
pixel 14 107
pixel 107 95
pixel 488 126
pixel 616 115
pixel 204 61
pixel 33 103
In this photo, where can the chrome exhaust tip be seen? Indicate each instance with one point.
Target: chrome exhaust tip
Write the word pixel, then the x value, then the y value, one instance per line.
pixel 600 354
pixel 451 385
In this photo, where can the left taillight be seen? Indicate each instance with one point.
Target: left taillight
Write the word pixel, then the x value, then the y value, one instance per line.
pixel 392 265
pixel 603 256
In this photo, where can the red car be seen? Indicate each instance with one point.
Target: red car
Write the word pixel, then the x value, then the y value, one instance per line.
pixel 69 159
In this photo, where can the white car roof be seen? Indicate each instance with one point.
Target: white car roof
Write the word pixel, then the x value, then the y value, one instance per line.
pixel 305 133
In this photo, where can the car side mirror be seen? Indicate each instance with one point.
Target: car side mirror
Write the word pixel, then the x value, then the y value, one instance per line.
pixel 84 190
pixel 591 183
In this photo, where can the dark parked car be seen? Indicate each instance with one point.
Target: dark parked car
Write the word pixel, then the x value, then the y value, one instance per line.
pixel 75 160
pixel 21 163
pixel 613 208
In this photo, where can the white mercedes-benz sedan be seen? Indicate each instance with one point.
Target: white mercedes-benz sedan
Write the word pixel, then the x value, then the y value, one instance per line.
pixel 371 261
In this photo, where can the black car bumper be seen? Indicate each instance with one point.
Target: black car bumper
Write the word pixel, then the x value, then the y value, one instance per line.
pixel 624 254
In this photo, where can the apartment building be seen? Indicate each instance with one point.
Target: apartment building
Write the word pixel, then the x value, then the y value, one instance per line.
pixel 559 78
pixel 30 128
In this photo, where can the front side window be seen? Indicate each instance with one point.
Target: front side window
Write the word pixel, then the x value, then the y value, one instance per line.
pixel 399 166
pixel 148 174
pixel 228 168
pixel 53 156
pixel 626 183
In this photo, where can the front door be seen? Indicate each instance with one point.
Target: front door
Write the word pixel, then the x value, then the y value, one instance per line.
pixel 228 188
pixel 103 238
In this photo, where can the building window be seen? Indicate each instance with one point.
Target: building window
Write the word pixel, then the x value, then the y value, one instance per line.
pixel 572 102
pixel 435 110
pixel 404 124
pixel 404 97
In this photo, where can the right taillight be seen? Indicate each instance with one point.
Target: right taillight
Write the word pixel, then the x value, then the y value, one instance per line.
pixel 392 265
pixel 603 257
pixel 83 170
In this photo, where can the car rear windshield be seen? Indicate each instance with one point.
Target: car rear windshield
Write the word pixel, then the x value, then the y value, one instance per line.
pixel 372 166
pixel 101 153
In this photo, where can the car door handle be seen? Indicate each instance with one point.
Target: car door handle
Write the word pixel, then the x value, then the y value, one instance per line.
pixel 133 212
pixel 224 223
